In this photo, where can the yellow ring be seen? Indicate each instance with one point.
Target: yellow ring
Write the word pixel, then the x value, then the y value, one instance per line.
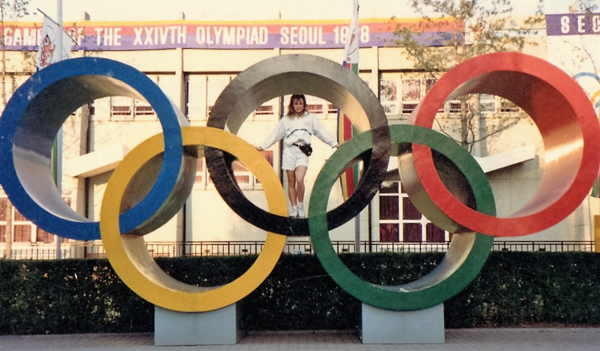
pixel 132 261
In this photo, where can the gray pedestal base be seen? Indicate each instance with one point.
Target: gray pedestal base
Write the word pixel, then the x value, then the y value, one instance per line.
pixel 219 327
pixel 402 327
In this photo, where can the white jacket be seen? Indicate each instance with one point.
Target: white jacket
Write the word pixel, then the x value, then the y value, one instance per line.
pixel 298 130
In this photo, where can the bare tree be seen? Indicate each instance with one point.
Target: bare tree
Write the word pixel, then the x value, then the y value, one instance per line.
pixel 467 28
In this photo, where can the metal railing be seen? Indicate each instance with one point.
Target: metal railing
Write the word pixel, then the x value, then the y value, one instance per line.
pixel 231 248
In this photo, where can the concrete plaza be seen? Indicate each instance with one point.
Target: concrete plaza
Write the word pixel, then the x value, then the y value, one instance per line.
pixel 521 339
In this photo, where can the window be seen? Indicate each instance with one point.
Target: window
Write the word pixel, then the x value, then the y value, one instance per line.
pixel 269 156
pixel 120 108
pixel 243 176
pixel 454 106
pixel 314 104
pixel 143 108
pixel 202 91
pixel 508 106
pixel 401 93
pixel 22 233
pixel 411 95
pixel 264 110
pixel 43 236
pixel 388 95
pixel 267 111
pixel 429 82
pixel 487 103
pixel 3 203
pixel 401 221
pixel 389 232
pixel 315 108
pixel 22 228
pixel 126 109
pixel 331 109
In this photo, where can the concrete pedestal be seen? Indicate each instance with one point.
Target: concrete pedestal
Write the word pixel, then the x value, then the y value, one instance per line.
pixel 402 327
pixel 219 327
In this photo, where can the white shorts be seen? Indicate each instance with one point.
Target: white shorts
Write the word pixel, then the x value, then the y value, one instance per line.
pixel 293 157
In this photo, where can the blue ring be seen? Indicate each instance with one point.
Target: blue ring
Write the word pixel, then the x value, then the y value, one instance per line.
pixel 33 117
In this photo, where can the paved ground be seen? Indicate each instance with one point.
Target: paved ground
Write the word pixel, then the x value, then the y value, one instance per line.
pixel 547 339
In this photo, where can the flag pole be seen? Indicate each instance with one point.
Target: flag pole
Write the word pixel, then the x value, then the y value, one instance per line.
pixel 57 154
pixel 353 35
pixel 345 129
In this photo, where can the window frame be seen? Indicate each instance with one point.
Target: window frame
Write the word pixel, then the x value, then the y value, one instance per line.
pixel 401 223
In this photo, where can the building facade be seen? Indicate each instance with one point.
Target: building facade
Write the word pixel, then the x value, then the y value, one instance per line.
pixel 193 61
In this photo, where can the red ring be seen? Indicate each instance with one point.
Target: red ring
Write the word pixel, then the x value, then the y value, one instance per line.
pixel 564 116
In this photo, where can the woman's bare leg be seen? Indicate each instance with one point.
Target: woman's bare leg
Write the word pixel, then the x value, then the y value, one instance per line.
pixel 300 173
pixel 291 179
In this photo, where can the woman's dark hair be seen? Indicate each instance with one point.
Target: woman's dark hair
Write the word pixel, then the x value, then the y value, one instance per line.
pixel 290 111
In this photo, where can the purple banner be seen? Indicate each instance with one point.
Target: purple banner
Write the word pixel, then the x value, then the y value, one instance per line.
pixel 573 24
pixel 122 36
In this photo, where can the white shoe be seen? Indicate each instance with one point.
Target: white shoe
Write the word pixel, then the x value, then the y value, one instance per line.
pixel 294 212
pixel 301 213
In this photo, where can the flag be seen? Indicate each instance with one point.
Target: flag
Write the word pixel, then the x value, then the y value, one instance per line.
pixel 349 178
pixel 48 53
pixel 48 48
pixel 351 46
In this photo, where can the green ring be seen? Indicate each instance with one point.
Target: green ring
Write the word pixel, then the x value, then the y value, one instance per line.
pixel 465 257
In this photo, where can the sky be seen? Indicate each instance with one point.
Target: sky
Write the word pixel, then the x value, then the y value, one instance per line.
pixel 221 10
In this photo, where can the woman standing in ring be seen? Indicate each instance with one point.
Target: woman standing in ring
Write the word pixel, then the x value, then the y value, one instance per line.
pixel 296 129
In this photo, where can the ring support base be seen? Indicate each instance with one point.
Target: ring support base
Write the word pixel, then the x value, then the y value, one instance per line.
pixel 219 327
pixel 380 326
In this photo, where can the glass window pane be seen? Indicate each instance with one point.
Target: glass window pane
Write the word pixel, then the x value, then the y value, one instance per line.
pixel 389 232
pixel 264 110
pixel 315 108
pixel 408 108
pixel 411 90
pixel 121 108
pixel 388 207
pixel 508 106
pixel 388 95
pixel 409 211
pixel 487 103
pixel 435 234
pixel 43 236
pixel 429 84
pixel 22 233
pixel 242 174
pixel 389 188
pixel 412 232
pixel 3 203
pixel 18 216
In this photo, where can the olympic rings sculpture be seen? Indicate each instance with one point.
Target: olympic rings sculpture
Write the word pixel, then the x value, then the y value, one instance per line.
pixel 168 161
